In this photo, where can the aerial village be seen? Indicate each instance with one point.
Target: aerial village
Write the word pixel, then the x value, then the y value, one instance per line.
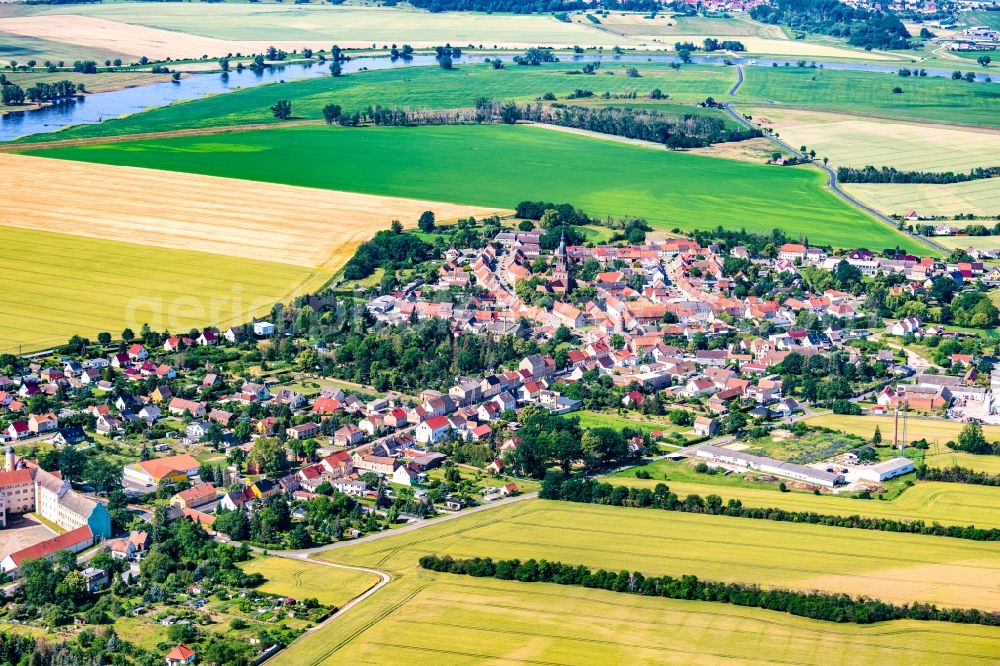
pixel 715 342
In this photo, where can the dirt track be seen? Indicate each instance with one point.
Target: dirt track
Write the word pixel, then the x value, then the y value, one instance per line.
pixel 294 225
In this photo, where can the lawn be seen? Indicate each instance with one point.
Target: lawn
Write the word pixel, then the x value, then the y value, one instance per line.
pixel 930 98
pixel 429 619
pixel 294 578
pixel 634 420
pixel 899 567
pixel 58 285
pixel 461 164
pixel 418 88
pixel 979 197
pixel 857 141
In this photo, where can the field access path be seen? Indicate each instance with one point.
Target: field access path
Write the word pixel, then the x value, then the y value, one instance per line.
pixel 831 173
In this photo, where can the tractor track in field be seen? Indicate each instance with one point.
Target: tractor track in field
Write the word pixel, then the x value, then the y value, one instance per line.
pixel 830 172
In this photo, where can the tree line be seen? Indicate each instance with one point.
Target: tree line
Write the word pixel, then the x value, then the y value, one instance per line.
pixel 529 6
pixel 886 174
pixel 957 474
pixel 826 606
pixel 579 488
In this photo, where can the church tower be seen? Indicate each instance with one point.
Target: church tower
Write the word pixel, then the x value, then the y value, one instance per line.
pixel 561 271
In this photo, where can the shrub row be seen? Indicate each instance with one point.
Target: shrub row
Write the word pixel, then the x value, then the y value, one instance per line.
pixel 588 491
pixel 815 605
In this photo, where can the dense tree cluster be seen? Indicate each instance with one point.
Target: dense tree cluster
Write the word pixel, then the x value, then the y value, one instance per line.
pixel 387 249
pixel 47 92
pixel 870 174
pixel 972 440
pixel 861 27
pixel 421 355
pixel 549 439
pixel 674 131
pixel 579 488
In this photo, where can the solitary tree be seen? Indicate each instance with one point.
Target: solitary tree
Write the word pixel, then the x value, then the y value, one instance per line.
pixel 282 109
pixel 331 113
pixel 426 221
pixel 335 68
pixel 984 60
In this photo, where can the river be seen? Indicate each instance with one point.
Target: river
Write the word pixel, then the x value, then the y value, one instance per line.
pixel 97 107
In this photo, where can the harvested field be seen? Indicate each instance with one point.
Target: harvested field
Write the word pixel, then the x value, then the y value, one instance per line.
pixel 161 30
pixel 423 618
pixel 21 48
pixel 293 225
pixel 857 142
pixel 92 33
pixel 977 242
pixel 886 565
pixel 757 151
pixel 629 24
pixel 980 197
pixel 301 580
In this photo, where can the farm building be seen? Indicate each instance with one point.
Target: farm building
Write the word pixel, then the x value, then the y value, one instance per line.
pixel 771 466
pixel 886 470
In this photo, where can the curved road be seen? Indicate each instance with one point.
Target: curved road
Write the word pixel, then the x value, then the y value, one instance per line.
pixel 384 577
pixel 831 174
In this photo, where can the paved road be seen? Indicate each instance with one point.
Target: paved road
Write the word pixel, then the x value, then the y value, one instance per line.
pixel 831 174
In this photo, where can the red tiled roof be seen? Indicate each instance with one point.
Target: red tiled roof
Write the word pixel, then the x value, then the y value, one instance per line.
pixel 53 545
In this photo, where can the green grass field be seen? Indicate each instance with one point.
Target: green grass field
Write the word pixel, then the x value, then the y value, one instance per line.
pixel 417 88
pixel 945 503
pixel 502 165
pixel 887 565
pixel 427 618
pixel 934 99
pixel 301 580
pixel 59 285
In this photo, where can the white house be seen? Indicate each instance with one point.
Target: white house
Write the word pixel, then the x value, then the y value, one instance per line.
pixel 263 329
pixel 432 430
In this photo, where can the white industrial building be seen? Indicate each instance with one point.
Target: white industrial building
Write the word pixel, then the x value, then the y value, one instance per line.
pixel 771 466
pixel 886 470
